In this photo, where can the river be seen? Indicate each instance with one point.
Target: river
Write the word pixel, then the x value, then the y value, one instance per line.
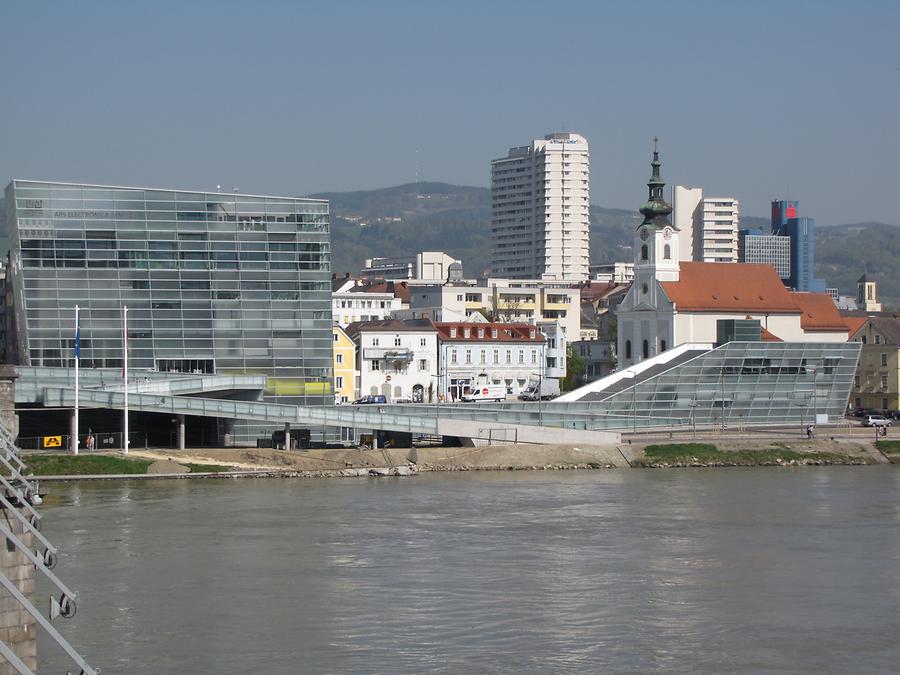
pixel 690 570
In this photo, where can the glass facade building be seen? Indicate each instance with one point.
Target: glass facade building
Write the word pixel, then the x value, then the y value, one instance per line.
pixel 214 283
pixel 737 384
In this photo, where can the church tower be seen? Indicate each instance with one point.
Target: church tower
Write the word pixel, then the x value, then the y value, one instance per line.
pixel 656 239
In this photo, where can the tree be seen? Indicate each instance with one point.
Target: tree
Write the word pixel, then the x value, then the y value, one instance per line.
pixel 574 370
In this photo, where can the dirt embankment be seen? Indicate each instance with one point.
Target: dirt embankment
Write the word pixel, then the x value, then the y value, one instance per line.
pixel 506 457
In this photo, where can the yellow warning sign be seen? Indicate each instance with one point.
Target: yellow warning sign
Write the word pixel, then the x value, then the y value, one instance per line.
pixel 52 441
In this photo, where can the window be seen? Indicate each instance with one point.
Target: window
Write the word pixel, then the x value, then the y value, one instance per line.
pixel 339 382
pixel 865 340
pixel 662 345
pixel 496 356
pixel 339 359
pixel 423 342
pixel 644 252
pixel 877 339
pixel 483 357
pixel 453 332
pixel 521 356
pixel 459 298
pixel 627 349
pixel 884 382
pixel 376 365
pixel 884 404
pixel 494 333
pixel 667 252
pixel 423 364
pixel 858 402
pixel 467 332
pixel 508 356
pixel 374 342
pixel 856 382
pixel 646 349
pixel 481 333
pixel 534 357
pixel 469 356
pixel 396 340
pixel 453 356
pixel 334 337
pixel 884 359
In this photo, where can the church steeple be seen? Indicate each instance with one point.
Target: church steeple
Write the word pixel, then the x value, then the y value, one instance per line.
pixel 656 210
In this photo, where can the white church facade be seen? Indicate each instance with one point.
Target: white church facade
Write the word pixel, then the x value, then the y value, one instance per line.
pixel 672 302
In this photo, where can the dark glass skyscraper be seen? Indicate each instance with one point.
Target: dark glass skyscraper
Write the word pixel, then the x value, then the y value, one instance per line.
pixel 787 223
pixel 214 283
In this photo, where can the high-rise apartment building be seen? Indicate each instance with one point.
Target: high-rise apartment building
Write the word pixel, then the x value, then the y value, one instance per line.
pixel 214 283
pixel 540 196
pixel 708 226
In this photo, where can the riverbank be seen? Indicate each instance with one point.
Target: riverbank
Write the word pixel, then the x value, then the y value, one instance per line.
pixel 344 463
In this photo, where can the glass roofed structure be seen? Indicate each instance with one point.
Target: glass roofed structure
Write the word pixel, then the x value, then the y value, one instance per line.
pixel 736 384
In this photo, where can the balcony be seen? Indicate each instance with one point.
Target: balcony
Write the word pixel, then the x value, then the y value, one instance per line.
pixel 388 354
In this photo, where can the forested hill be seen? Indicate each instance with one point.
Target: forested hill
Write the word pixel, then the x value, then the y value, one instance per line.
pixel 406 219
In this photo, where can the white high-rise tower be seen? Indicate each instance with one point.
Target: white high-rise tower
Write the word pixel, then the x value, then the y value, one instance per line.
pixel 541 202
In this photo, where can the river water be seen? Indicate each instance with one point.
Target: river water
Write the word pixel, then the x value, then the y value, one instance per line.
pixel 693 570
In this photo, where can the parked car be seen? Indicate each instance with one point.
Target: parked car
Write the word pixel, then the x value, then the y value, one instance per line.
pixel 877 421
pixel 366 400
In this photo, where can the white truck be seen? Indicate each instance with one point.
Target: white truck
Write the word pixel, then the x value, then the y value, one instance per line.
pixel 485 392
pixel 543 389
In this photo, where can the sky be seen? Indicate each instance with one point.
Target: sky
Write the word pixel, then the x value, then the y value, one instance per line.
pixel 757 100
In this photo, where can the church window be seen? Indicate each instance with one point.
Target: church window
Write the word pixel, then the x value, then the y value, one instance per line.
pixel 627 349
pixel 667 252
pixel 645 288
pixel 646 349
pixel 644 252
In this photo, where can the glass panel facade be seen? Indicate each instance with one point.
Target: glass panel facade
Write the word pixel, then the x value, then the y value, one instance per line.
pixel 738 384
pixel 213 282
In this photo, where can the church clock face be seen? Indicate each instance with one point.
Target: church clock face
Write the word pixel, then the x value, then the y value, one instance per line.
pixel 645 234
pixel 667 234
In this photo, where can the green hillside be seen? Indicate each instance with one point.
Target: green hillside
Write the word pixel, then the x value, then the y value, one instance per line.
pixel 456 219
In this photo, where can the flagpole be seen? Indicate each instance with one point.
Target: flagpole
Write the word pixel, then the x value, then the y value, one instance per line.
pixel 125 373
pixel 74 442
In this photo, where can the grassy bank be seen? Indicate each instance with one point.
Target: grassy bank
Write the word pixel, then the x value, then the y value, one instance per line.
pixel 706 454
pixel 891 449
pixel 98 465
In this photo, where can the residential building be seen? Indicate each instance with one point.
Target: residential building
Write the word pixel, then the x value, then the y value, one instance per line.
pixel 670 304
pixel 214 283
pixel 345 374
pixel 801 232
pixel 428 266
pixel 615 273
pixel 510 354
pixel 876 385
pixel 707 226
pixel 540 197
pixel 759 248
pixel 368 301
pixel 397 359
pixel 506 300
pixel 599 357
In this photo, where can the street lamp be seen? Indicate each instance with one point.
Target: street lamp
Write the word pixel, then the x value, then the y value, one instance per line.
pixel 693 405
pixel 632 375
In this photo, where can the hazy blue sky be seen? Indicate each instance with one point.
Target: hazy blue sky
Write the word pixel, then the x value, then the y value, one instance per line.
pixel 757 100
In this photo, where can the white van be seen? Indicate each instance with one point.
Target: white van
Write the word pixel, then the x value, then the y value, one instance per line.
pixel 485 392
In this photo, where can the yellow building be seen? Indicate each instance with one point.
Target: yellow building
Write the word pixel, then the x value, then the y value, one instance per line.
pixel 877 382
pixel 344 353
